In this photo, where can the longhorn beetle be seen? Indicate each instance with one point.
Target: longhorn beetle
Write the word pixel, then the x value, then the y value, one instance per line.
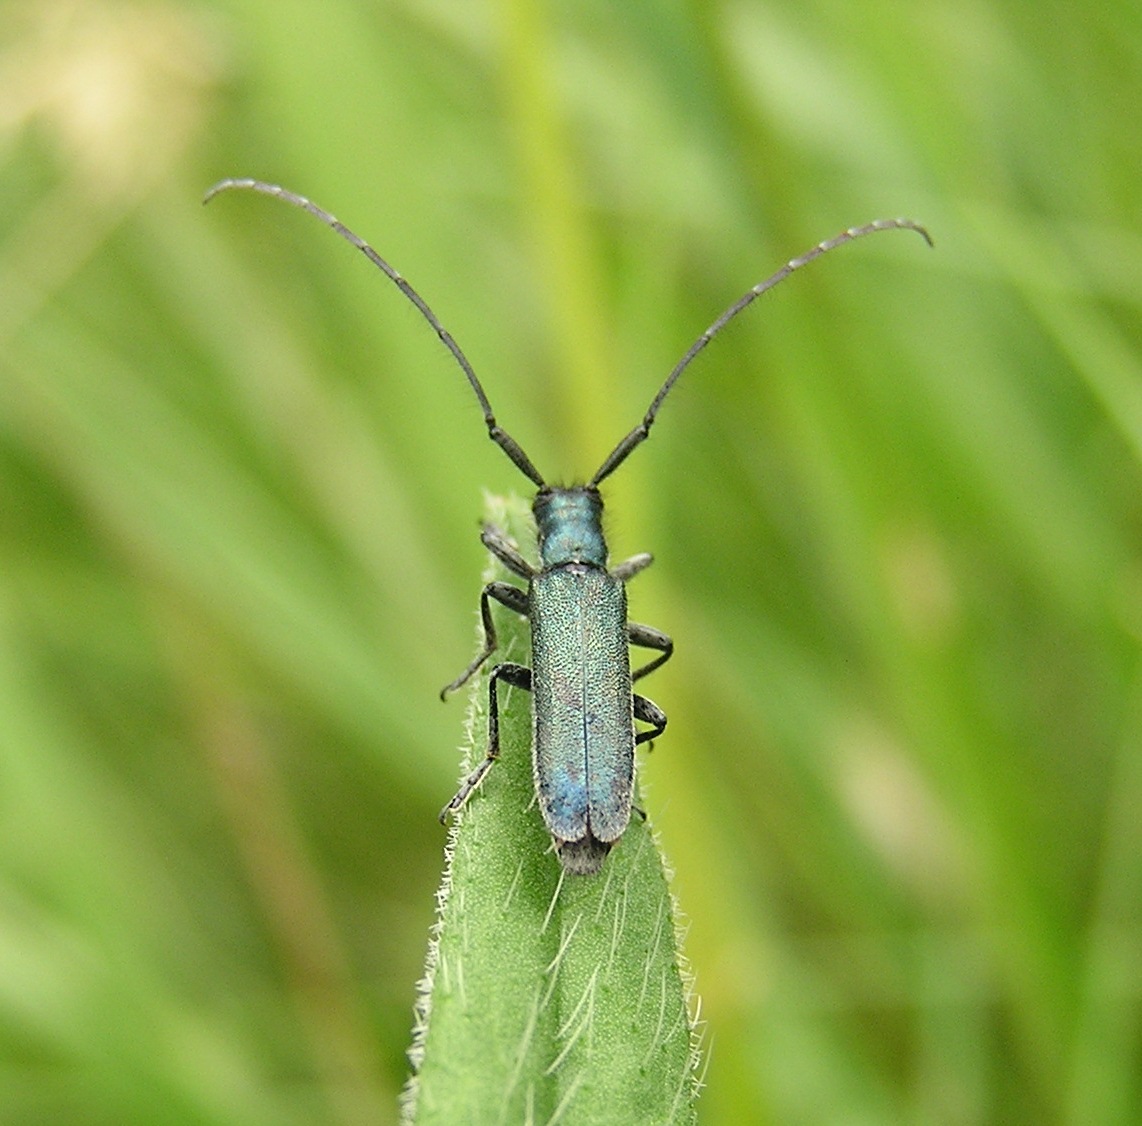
pixel 583 706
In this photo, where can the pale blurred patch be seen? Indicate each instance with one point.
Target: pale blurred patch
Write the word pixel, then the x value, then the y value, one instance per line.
pixel 117 89
pixel 921 585
pixel 116 94
pixel 896 810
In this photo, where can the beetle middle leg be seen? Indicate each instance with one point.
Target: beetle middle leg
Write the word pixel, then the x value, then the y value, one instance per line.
pixel 647 637
pixel 505 594
pixel 518 676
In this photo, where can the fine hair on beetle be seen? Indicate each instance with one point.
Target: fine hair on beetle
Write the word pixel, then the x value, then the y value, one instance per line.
pixel 584 707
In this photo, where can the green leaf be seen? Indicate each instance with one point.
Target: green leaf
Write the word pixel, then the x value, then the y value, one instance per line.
pixel 547 997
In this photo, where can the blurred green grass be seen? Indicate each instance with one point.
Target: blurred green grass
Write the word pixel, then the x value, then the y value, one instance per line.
pixel 895 512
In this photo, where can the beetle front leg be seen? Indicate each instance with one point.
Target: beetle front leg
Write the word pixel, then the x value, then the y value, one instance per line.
pixel 506 552
pixel 647 637
pixel 518 676
pixel 505 594
pixel 628 568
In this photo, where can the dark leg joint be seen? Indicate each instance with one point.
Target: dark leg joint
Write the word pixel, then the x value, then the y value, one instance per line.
pixel 647 637
pixel 505 594
pixel 648 712
pixel 518 676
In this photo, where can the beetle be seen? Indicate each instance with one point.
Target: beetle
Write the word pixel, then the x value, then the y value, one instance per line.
pixel 584 707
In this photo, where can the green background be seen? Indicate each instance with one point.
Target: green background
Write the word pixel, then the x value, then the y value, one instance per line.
pixel 895 511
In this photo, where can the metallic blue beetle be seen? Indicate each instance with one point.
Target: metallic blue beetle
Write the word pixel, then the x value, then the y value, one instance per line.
pixel 583 705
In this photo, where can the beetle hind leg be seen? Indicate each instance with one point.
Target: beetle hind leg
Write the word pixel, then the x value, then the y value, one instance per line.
pixel 518 676
pixel 648 712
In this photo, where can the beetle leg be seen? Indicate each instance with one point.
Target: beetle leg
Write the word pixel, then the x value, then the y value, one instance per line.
pixel 649 712
pixel 506 551
pixel 628 568
pixel 647 637
pixel 518 676
pixel 507 595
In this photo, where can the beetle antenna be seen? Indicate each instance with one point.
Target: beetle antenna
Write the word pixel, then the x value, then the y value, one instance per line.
pixel 642 431
pixel 498 435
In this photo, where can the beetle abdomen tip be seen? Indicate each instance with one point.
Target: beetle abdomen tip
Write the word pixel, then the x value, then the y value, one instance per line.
pixel 583 857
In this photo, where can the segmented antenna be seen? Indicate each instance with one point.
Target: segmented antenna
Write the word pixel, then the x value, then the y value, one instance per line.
pixel 498 435
pixel 642 431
